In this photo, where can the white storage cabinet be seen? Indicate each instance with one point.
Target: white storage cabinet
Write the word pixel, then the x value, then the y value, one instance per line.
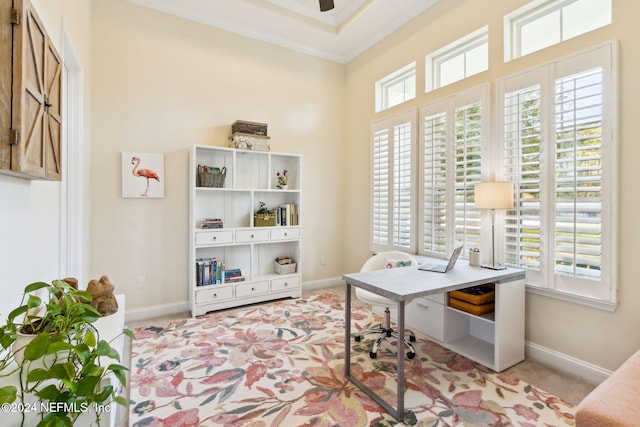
pixel 250 179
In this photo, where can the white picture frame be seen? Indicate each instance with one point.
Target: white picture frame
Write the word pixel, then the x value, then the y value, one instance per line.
pixel 142 175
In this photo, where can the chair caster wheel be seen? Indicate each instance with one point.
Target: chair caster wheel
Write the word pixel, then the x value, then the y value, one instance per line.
pixel 412 338
pixel 411 355
pixel 358 338
pixel 373 355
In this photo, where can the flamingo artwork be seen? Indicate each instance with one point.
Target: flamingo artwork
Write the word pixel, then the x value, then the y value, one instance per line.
pixel 145 173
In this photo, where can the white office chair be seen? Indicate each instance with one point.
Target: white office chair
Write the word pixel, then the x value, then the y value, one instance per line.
pixel 384 330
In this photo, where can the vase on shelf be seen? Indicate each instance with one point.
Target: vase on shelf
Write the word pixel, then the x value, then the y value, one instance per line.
pixel 283 186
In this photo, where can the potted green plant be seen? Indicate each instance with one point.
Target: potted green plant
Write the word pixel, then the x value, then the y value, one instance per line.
pixel 63 364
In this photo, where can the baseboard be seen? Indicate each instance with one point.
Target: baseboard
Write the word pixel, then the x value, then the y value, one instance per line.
pixel 591 373
pixel 154 311
pixel 161 310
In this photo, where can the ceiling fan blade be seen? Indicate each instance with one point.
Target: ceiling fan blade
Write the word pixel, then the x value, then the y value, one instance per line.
pixel 326 5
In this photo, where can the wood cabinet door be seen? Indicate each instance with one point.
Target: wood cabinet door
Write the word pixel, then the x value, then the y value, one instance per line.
pixel 36 98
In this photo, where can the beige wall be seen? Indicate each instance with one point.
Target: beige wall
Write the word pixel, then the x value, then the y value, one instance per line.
pixel 598 337
pixel 162 84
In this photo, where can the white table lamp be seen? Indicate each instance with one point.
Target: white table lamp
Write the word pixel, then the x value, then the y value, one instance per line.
pixel 494 195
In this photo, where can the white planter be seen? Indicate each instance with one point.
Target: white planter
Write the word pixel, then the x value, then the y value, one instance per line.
pixel 19 345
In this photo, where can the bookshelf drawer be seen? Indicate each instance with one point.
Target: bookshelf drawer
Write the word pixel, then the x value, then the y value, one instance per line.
pixel 214 237
pixel 285 233
pixel 285 283
pixel 252 236
pixel 248 289
pixel 214 294
pixel 426 317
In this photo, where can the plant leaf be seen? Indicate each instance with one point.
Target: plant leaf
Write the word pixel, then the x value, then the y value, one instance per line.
pixel 17 312
pixel 87 385
pixel 35 286
pixel 103 348
pixel 38 374
pixel 38 347
pixel 7 394
pixel 90 338
pixel 50 392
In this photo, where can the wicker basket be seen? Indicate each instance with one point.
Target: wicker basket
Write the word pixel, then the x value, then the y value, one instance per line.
pixel 211 177
pixel 285 268
pixel 264 220
pixel 253 128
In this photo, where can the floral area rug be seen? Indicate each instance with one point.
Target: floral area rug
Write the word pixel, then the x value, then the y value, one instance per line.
pixel 282 364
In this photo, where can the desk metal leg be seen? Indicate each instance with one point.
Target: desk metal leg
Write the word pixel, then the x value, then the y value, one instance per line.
pixel 347 331
pixel 400 399
pixel 399 413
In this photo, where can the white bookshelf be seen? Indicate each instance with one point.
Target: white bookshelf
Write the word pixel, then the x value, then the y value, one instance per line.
pixel 250 179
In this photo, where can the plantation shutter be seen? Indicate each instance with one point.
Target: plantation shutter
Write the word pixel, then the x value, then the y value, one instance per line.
pixel 380 198
pixel 402 166
pixel 434 206
pixel 392 183
pixel 451 152
pixel 522 166
pixel 468 172
pixel 578 175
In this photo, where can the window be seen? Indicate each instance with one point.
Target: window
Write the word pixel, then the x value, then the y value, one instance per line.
pixel 458 60
pixel 392 145
pixel 396 88
pixel 543 23
pixel 559 149
pixel 452 139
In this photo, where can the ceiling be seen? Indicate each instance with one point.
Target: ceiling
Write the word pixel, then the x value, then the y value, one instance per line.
pixel 339 35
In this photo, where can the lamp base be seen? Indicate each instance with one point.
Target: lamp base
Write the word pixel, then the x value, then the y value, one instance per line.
pixel 494 267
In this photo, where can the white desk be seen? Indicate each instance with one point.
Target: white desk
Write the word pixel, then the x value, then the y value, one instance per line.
pixel 407 283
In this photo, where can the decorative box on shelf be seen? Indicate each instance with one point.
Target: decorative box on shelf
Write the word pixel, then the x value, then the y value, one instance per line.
pixel 245 141
pixel 252 128
pixel 475 300
pixel 285 268
pixel 264 220
pixel 284 265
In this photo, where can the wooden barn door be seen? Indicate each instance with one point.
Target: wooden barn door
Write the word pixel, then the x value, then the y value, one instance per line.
pixel 36 98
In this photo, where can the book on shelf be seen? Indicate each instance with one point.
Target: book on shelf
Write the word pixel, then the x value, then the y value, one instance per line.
pixel 287 215
pixel 211 271
pixel 233 275
pixel 208 271
pixel 282 260
pixel 211 223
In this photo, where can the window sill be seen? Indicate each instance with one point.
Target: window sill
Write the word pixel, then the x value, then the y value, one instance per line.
pixel 573 298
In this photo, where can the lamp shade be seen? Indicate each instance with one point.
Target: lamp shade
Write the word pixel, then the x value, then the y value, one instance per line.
pixel 494 195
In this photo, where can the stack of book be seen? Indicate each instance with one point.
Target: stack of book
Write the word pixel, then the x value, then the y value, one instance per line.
pixel 287 215
pixel 212 223
pixel 233 275
pixel 284 260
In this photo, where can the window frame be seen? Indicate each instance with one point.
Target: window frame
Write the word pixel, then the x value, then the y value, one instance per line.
pixel 383 85
pixel 545 281
pixel 460 47
pixel 514 21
